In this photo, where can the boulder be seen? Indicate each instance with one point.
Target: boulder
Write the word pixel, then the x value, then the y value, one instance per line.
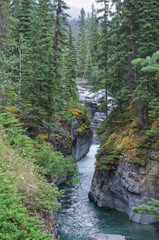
pixel 107 237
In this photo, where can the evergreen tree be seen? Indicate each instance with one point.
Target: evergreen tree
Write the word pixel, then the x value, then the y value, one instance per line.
pixel 102 77
pixel 82 54
pixel 5 23
pixel 59 45
pixel 71 68
pixel 93 34
pixel 119 72
pixel 88 67
pixel 24 16
pixel 147 22
pixel 34 44
pixel 81 22
pixel 15 4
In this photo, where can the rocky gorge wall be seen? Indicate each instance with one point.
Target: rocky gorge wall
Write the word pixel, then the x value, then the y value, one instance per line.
pixel 77 139
pixel 127 166
pixel 81 143
pixel 127 185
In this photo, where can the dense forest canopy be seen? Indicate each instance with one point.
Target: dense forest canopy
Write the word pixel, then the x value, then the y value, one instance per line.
pixel 43 54
pixel 41 57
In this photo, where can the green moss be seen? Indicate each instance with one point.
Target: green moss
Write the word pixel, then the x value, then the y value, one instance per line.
pixel 122 135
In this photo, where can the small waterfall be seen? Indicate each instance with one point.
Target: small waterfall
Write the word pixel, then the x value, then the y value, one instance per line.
pixel 93 101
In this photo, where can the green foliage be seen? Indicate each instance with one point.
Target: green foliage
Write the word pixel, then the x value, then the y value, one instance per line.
pixel 151 208
pixel 82 53
pixel 15 135
pixel 55 165
pixel 15 223
pixel 7 88
pixel 75 109
pixel 88 67
pixel 112 157
pixel 147 89
pixel 22 175
pixel 71 68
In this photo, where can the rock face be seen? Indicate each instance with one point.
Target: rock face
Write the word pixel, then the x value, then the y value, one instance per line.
pixel 107 237
pixel 93 101
pixel 51 223
pixel 81 143
pixel 126 186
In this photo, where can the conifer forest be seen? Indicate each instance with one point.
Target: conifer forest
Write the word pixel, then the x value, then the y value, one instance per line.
pixel 45 55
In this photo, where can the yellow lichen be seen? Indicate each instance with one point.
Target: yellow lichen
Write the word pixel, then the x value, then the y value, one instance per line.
pixel 10 109
pixel 123 143
pixel 76 112
pixel 43 136
pixel 79 130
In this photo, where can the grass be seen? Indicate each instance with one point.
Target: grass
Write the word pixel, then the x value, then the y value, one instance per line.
pixel 24 178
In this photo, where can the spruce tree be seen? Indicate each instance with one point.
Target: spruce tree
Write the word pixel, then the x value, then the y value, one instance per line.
pixel 147 22
pixel 24 16
pixel 59 45
pixel 81 22
pixel 6 22
pixel 102 76
pixel 88 66
pixel 70 68
pixel 82 54
pixel 93 34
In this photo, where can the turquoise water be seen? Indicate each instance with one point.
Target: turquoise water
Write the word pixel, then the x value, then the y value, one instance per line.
pixel 81 218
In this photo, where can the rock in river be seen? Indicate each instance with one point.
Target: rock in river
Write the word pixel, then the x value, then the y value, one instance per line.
pixel 107 237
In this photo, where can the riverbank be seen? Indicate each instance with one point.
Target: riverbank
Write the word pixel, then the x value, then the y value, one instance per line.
pixel 81 218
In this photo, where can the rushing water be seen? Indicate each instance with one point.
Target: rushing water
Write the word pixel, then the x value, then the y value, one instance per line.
pixel 81 218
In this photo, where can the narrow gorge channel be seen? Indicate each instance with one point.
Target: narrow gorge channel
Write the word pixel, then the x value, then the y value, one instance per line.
pixel 81 218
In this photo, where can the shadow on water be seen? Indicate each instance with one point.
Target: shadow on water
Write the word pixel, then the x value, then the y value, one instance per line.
pixel 81 218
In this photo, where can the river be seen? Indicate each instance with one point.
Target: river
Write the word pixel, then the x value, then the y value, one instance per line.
pixel 81 218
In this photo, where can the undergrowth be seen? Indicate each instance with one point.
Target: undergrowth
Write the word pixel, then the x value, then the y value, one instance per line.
pixel 24 165
pixel 15 223
pixel 123 135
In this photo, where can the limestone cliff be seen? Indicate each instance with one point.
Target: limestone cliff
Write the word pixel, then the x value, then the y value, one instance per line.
pixel 127 167
pixel 81 142
pixel 127 185
pixel 72 138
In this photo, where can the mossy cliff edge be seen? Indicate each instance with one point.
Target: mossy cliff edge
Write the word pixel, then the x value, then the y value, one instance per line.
pixel 127 165
pixel 32 164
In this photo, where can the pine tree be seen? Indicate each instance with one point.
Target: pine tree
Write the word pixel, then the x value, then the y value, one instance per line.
pixel 102 55
pixel 147 21
pixel 130 22
pixel 24 16
pixel 15 5
pixel 81 22
pixel 6 22
pixel 89 66
pixel 82 54
pixel 59 45
pixel 35 74
pixel 93 34
pixel 119 72
pixel 70 68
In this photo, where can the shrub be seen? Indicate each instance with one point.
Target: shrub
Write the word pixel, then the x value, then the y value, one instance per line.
pixel 15 223
pixel 55 165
